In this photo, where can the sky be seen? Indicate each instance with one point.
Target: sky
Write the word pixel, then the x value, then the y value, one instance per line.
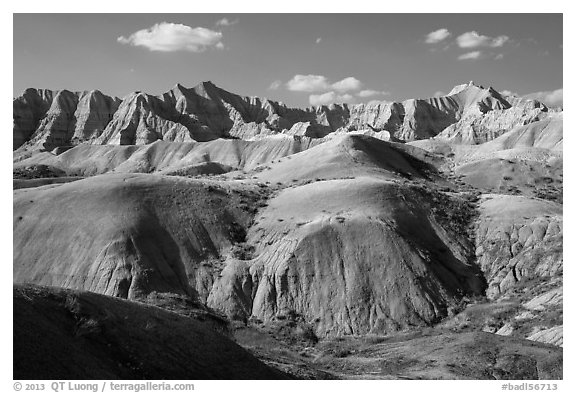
pixel 299 59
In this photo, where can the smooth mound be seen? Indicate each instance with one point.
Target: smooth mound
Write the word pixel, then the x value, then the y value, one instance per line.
pixel 163 156
pixel 128 235
pixel 66 335
pixel 353 256
pixel 348 156
pixel 507 176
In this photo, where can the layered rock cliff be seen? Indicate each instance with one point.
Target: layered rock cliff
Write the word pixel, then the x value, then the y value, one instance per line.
pixel 45 120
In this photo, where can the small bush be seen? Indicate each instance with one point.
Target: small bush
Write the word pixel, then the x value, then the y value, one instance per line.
pixel 242 251
pixel 307 333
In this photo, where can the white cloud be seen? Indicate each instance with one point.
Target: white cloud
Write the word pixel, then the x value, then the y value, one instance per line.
pixel 172 37
pixel 439 93
pixel 499 56
pixel 552 98
pixel 318 40
pixel 329 98
pixel 470 55
pixel 508 93
pixel 437 36
pixel 275 85
pixel 308 83
pixel 319 83
pixel 226 22
pixel 472 39
pixel 347 84
pixel 371 93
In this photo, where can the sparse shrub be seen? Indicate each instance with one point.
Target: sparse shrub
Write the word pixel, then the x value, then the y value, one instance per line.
pixel 307 333
pixel 242 251
pixel 342 353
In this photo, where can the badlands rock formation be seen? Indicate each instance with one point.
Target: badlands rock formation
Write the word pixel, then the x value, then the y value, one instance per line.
pixel 165 157
pixel 354 256
pixel 518 238
pixel 306 226
pixel 127 235
pixel 45 120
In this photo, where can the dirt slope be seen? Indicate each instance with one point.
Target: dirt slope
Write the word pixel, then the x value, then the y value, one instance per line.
pixel 163 156
pixel 353 256
pixel 63 334
pixel 128 235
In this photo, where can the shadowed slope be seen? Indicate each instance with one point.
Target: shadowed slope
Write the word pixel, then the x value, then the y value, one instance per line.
pixel 63 334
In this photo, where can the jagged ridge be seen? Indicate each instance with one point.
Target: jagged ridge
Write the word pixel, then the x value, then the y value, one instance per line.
pixel 44 119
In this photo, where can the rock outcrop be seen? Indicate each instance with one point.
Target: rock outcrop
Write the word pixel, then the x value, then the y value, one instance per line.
pixel 554 336
pixel 477 127
pixel 518 238
pixel 28 110
pixel 352 256
pixel 45 119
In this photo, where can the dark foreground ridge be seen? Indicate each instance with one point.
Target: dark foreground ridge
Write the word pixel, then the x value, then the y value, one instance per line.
pixel 65 334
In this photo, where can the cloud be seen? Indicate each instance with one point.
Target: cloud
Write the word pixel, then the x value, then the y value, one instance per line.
pixel 319 83
pixel 226 22
pixel 470 55
pixel 275 85
pixel 499 56
pixel 329 98
pixel 554 98
pixel 347 84
pixel 318 40
pixel 472 39
pixel 439 93
pixel 437 36
pixel 172 37
pixel 371 93
pixel 308 83
pixel 508 93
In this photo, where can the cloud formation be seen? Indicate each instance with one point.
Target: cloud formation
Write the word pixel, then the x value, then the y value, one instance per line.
pixel 347 84
pixel 437 36
pixel 275 85
pixel 318 40
pixel 371 93
pixel 319 83
pixel 329 98
pixel 308 83
pixel 342 91
pixel 226 22
pixel 470 55
pixel 554 98
pixel 172 37
pixel 472 39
